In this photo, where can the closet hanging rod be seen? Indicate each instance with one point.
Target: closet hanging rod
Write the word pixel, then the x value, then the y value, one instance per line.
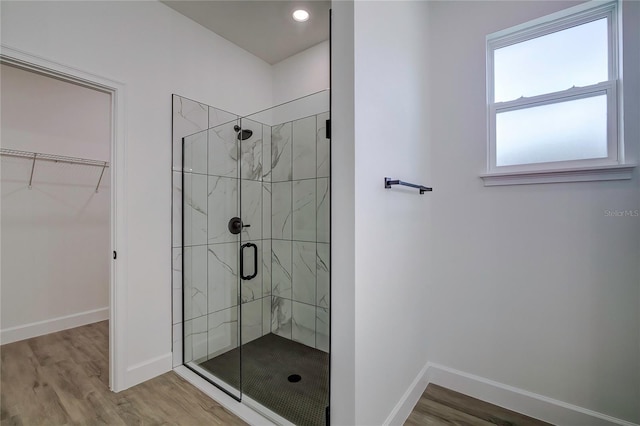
pixel 52 157
pixel 38 156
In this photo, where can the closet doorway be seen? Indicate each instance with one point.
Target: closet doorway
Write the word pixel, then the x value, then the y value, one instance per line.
pixel 56 210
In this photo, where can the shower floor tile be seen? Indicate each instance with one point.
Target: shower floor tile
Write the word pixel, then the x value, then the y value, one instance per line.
pixel 267 363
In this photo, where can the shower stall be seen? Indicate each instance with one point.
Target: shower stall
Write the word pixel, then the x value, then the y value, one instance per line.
pixel 256 257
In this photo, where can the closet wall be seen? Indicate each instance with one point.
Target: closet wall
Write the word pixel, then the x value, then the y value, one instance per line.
pixel 55 236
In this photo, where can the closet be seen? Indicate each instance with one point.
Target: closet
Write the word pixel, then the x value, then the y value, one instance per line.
pixel 55 204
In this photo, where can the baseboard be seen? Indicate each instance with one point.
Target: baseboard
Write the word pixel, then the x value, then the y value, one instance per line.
pixel 403 408
pixel 525 402
pixel 35 329
pixel 149 369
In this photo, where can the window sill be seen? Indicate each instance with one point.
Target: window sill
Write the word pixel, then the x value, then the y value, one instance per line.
pixel 582 174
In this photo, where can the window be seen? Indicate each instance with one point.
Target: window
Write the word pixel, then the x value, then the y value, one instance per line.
pixel 552 96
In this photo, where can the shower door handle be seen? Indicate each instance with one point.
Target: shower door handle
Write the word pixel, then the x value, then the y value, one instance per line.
pixel 255 261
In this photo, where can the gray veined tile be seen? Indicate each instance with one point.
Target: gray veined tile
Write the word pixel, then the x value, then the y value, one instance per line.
pixel 176 306
pixel 266 210
pixel 199 338
pixel 251 151
pixel 266 153
pixel 176 268
pixel 251 289
pixel 323 146
pixel 304 148
pixel 222 331
pixel 176 335
pixel 304 210
pixel 281 211
pixel 281 154
pixel 251 208
pixel 195 153
pixel 189 117
pixel 266 315
pixel 281 268
pixel 222 276
pixel 177 209
pixel 303 324
pixel 195 209
pixel 281 317
pixel 188 342
pixel 194 115
pixel 222 205
pixel 322 329
pixel 218 117
pixel 223 151
pixel 251 321
pixel 322 275
pixel 323 210
pixel 304 272
pixel 195 282
pixel 266 267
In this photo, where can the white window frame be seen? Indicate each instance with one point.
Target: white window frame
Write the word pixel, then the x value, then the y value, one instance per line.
pixel 609 168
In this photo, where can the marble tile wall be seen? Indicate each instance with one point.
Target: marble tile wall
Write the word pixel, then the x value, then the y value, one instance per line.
pixel 189 118
pixel 284 193
pixel 213 163
pixel 300 231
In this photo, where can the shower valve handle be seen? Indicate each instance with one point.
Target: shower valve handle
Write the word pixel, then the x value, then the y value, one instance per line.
pixel 235 225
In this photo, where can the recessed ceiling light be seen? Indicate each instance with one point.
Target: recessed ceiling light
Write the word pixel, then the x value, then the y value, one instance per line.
pixel 300 15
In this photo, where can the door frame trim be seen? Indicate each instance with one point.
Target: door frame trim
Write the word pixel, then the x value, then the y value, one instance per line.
pixel 118 219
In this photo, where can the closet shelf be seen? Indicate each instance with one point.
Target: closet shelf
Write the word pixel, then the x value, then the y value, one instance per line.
pixel 38 156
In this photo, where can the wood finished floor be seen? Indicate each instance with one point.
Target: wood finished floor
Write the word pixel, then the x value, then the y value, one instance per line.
pixel 441 406
pixel 62 379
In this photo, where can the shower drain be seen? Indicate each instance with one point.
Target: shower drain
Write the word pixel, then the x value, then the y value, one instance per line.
pixel 294 378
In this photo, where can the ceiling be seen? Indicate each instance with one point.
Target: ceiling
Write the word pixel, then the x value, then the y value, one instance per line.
pixel 264 28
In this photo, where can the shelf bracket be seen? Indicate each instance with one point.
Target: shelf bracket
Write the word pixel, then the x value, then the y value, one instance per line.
pixel 33 166
pixel 100 178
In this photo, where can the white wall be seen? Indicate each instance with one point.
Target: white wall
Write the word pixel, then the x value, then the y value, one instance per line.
pixel 155 52
pixel 392 239
pixel 301 74
pixel 47 115
pixel 532 285
pixel 343 314
pixel 55 237
pixel 529 286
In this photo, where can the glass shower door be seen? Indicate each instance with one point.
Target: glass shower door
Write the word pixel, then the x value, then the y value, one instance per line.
pixel 211 247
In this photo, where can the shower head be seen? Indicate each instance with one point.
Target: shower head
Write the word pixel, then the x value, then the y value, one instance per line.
pixel 244 134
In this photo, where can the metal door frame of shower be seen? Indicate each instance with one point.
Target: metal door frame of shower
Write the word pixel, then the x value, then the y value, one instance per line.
pixel 117 220
pixel 329 134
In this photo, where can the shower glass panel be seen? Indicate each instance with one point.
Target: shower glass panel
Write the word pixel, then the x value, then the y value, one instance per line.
pixel 211 199
pixel 256 258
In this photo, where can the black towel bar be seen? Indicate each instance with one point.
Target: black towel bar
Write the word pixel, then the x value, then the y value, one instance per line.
pixel 388 183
